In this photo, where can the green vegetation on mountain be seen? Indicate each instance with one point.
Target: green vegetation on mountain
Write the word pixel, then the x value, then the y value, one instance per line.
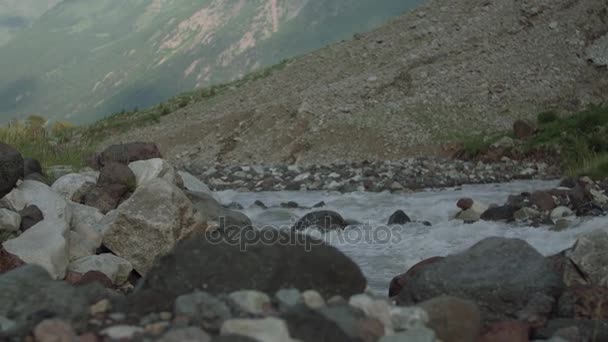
pixel 85 59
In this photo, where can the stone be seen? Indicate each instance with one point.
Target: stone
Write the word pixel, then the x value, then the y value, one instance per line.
pixel 9 261
pixel 407 318
pixel 36 177
pixel 52 205
pixel 399 217
pixel 92 277
pixel 146 170
pixel 453 319
pixel 584 302
pixel 501 213
pixel 260 204
pixel 465 203
pixel 523 129
pixel 588 330
pixel 11 168
pixel 45 244
pixel 323 220
pixel 500 275
pixel 543 200
pixel 505 331
pixel 203 309
pixel 54 330
pixel 599 197
pixel 6 325
pixel 101 307
pixel 378 309
pixel 192 183
pixel 560 213
pixel 30 166
pixel 84 239
pixel 30 216
pixel 69 185
pixel 472 214
pixel 213 211
pixel 127 153
pixel 267 329
pixel 282 260
pixel 121 332
pixel 117 269
pixel 346 317
pixel 504 143
pixel 310 326
pixel 590 256
pixel 116 173
pixel 288 298
pixel 597 51
pixel 10 221
pixel 150 223
pixel 313 299
pixel 249 301
pixel 526 214
pixel 105 199
pixel 418 334
pixel 370 330
pixel 399 281
pixel 188 334
pixel 29 296
pixel 560 225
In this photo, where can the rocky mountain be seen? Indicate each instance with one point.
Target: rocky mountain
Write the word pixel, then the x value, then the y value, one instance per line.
pixel 86 59
pixel 16 15
pixel 447 70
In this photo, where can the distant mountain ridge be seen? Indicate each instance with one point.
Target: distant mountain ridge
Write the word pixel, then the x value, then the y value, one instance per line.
pixel 17 15
pixel 85 59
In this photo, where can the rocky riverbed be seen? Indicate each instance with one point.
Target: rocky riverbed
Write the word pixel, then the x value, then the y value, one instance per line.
pixel 138 251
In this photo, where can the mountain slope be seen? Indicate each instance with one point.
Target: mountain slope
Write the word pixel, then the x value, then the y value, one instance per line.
pixel 16 15
pixel 448 69
pixel 84 59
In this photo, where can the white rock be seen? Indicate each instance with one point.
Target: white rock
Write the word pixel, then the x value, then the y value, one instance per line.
pixel 9 220
pixel 590 256
pixel 84 239
pixel 313 299
pixel 267 330
pixel 193 184
pixel 599 196
pixel 66 186
pixel 53 206
pixel 116 268
pixel 45 244
pixel 473 213
pixel 120 332
pixel 406 318
pixel 250 301
pixel 560 212
pixel 302 177
pixel 150 223
pixel 146 170
pixel 379 309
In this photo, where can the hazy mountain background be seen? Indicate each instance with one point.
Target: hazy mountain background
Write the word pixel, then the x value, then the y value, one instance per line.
pixel 84 59
pixel 16 15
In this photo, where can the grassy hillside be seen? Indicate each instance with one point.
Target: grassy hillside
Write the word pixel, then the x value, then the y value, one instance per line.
pixel 84 60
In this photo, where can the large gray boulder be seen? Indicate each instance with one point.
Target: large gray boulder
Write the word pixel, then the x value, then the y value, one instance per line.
pixel 150 223
pixel 71 184
pixel 590 256
pixel 11 168
pixel 145 170
pixel 266 262
pixel 501 275
pixel 53 206
pixel 28 295
pixel 45 244
pixel 212 210
pixel 116 268
pixel 192 183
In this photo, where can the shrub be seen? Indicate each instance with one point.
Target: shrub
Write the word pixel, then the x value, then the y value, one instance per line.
pixel 547 117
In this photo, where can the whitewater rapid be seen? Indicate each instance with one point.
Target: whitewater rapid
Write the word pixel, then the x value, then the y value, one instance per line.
pixel 383 252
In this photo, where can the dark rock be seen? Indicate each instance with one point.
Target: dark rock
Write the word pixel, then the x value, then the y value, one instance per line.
pixel 30 216
pixel 501 275
pixel 465 203
pixel 102 199
pixel 399 217
pixel 523 129
pixel 425 223
pixel 502 213
pixel 127 153
pixel 11 168
pixel 543 200
pixel 290 205
pixel 29 296
pixel 310 326
pixel 115 173
pixel 585 302
pixel 590 330
pixel 453 319
pixel 227 219
pixel 80 195
pixel 8 261
pixel 31 165
pixel 399 281
pixel 319 205
pixel 324 220
pixel 265 261
pixel 345 316
pixel 568 182
pixel 260 204
pixel 234 206
pixel 506 331
pixel 590 209
pixel 36 177
pixel 579 196
pixel 95 277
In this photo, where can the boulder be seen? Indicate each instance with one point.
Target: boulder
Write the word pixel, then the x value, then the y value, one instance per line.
pixel 465 203
pixel 399 217
pixel 523 129
pixel 192 183
pixel 399 281
pixel 30 216
pixel 543 200
pixel 130 152
pixel 213 211
pixel 116 173
pixel 560 213
pixel 117 269
pixel 52 205
pixel 323 220
pixel 45 244
pixel 501 275
pixel 472 214
pixel 29 296
pixel 92 277
pixel 590 256
pixel 453 319
pixel 311 326
pixel 584 302
pixel 259 261
pixel 150 223
pixel 106 198
pixel 11 168
pixel 84 239
pixel 526 214
pixel 31 166
pixel 250 301
pixel 8 261
pixel 10 221
pixel 146 170
pixel 52 330
pixel 501 213
pixel 69 185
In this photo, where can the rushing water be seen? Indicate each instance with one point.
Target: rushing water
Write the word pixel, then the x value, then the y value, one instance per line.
pixel 383 252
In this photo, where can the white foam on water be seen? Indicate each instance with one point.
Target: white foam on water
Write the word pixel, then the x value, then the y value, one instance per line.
pixel 383 252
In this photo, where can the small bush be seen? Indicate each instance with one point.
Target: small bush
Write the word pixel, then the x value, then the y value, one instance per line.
pixel 183 102
pixel 164 110
pixel 547 117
